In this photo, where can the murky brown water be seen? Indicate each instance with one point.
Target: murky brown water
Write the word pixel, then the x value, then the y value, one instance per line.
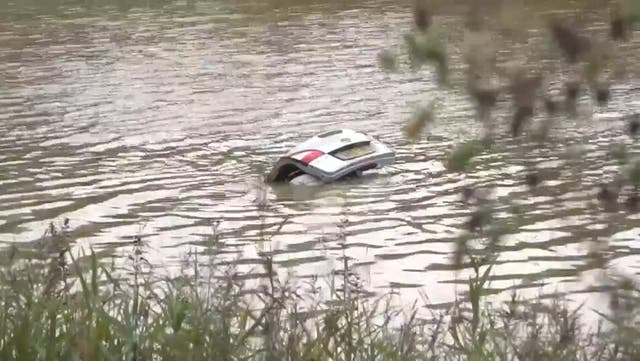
pixel 157 123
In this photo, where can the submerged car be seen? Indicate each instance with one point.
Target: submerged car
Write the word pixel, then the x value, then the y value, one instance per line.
pixel 331 156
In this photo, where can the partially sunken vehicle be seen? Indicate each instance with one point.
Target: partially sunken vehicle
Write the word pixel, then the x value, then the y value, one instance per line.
pixel 331 156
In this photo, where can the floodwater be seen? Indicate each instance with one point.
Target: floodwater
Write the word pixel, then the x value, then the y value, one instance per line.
pixel 161 123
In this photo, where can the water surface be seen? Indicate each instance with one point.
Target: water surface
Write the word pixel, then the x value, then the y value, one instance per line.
pixel 160 123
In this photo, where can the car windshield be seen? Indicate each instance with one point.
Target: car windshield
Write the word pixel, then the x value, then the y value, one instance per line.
pixel 353 151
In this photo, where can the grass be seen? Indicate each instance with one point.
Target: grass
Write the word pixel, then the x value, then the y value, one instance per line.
pixel 67 308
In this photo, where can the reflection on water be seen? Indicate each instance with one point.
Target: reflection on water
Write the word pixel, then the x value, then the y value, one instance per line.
pixel 159 123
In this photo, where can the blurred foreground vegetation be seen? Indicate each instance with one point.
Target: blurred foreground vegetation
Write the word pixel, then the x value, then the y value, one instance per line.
pixel 63 308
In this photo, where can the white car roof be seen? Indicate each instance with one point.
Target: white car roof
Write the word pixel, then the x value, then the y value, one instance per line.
pixel 329 141
pixel 326 166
